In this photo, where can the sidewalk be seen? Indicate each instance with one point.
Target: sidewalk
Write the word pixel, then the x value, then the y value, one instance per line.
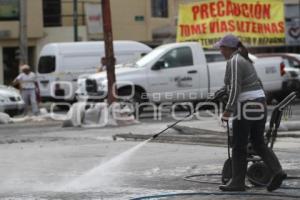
pixel 286 128
pixel 208 131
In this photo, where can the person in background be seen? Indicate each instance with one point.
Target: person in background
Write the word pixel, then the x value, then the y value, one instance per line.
pixel 247 105
pixel 28 87
pixel 103 65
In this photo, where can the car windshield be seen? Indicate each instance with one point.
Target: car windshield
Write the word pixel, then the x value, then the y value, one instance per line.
pixel 149 57
pixel 297 56
pixel 46 64
pixel 292 62
pixel 218 57
pixel 214 57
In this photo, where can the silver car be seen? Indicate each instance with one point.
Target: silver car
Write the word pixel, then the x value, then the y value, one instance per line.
pixel 11 101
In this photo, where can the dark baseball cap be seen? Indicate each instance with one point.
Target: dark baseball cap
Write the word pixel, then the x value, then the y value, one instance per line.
pixel 228 40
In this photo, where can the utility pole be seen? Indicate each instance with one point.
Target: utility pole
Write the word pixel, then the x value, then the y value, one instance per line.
pixel 23 43
pixel 75 19
pixel 109 51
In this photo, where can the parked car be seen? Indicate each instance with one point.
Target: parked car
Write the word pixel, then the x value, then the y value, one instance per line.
pixel 11 101
pixel 291 80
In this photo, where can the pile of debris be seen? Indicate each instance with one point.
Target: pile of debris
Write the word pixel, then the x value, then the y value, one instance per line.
pixel 83 114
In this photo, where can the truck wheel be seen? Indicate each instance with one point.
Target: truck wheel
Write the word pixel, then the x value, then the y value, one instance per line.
pixel 259 174
pixel 133 102
pixel 226 171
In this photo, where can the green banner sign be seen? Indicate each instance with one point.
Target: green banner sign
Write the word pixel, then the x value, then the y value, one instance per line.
pixel 9 10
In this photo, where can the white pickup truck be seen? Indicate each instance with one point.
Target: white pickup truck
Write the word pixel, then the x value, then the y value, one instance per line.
pixel 176 72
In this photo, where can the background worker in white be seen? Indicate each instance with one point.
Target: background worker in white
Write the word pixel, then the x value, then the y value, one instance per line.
pixel 27 82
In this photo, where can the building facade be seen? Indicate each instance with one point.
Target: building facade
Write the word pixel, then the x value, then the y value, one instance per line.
pixel 149 21
pixel 9 35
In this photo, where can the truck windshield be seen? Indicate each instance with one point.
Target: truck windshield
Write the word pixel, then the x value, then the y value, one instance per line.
pixel 149 57
pixel 214 57
pixel 46 64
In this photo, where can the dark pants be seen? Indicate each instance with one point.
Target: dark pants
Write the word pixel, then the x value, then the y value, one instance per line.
pixel 250 126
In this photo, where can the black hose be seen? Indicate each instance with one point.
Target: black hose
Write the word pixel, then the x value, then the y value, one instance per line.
pixel 228 140
pixel 217 194
pixel 189 178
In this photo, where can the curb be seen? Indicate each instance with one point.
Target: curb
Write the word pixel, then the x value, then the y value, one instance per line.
pixel 176 138
pixel 31 124
pixel 199 131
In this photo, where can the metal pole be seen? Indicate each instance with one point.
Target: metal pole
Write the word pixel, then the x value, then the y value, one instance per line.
pixel 75 19
pixel 109 51
pixel 23 43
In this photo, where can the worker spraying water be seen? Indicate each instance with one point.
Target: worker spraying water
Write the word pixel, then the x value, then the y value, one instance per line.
pixel 246 94
pixel 247 105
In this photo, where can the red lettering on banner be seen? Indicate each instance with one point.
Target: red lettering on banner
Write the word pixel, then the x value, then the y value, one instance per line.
pixel 274 28
pixel 254 28
pixel 213 27
pixel 236 10
pixel 267 11
pixel 198 29
pixel 239 26
pixel 193 29
pixel 248 24
pixel 204 11
pixel 267 28
pixel 195 10
pixel 231 25
pixel 220 5
pixel 245 27
pixel 183 30
pixel 260 28
pixel 258 13
pixel 212 7
pixel 245 10
pixel 228 8
pixel 223 26
pixel 281 27
pixel 251 10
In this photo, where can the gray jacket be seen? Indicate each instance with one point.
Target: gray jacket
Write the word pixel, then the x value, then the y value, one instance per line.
pixel 240 76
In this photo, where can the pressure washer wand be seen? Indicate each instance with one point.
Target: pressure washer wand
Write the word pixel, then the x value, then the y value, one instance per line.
pixel 219 94
pixel 172 125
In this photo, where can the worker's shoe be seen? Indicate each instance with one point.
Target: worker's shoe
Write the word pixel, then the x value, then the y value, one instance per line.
pixel 276 181
pixel 239 168
pixel 233 187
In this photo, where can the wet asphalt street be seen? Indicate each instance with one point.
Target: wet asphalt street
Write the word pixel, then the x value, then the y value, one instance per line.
pixel 41 160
